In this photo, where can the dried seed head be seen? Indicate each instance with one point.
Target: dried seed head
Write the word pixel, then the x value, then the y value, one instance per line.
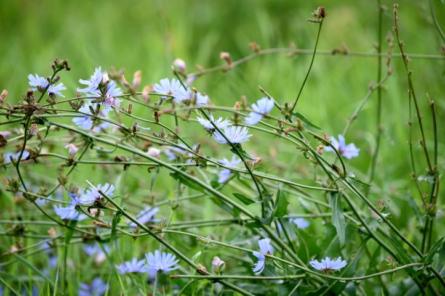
pixel 254 47
pixel 34 129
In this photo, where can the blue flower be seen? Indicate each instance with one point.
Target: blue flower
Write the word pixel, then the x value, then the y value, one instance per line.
pixel 92 85
pixel 92 195
pixel 37 82
pixel 145 216
pixel 133 266
pixel 347 151
pixel 113 91
pixel 97 288
pixel 55 89
pixel 69 213
pixel 173 88
pixel 328 264
pixel 262 107
pixel 300 223
pixel 265 249
pixel 220 123
pixel 8 156
pixel 160 262
pixel 41 83
pixel 235 135
pixel 96 250
pixel 173 152
pixel 85 121
pixel 225 174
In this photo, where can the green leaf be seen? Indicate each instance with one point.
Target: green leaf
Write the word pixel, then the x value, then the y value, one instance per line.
pixel 337 216
pixel 437 247
pixel 281 204
pixel 244 199
pixel 305 120
pixel 187 182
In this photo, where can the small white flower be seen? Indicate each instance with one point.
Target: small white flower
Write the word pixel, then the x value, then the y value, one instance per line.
pixel 235 135
pixel 328 264
pixel 347 151
pixel 201 99
pixel 220 123
pixel 300 223
pixel 225 174
pixel 262 107
pixel 265 249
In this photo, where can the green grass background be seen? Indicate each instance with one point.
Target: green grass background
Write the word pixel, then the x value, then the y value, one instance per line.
pixel 149 35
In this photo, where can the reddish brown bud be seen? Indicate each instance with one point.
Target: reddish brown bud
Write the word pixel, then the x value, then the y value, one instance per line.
pixel 226 57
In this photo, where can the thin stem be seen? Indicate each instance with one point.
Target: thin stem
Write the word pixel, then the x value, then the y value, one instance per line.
pixel 320 24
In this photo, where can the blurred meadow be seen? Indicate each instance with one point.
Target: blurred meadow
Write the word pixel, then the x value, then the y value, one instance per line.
pixel 148 36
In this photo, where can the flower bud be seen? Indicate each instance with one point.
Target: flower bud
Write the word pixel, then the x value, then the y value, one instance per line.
pixel 179 66
pixel 146 93
pixel 217 264
pixel 226 57
pixel 254 47
pixel 33 129
pixel 3 96
pixel 72 148
pixel 137 77
pixel 154 152
pixel 105 78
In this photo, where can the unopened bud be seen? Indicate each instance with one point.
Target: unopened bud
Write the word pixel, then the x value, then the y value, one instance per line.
pixel 179 66
pixel 320 149
pixel 217 264
pixel 226 57
pixel 105 78
pixel 137 77
pixel 33 129
pixel 146 93
pixel 190 79
pixel 14 249
pixel 3 96
pixel 100 258
pixel 52 232
pixel 254 47
pixel 154 152
pixel 72 148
